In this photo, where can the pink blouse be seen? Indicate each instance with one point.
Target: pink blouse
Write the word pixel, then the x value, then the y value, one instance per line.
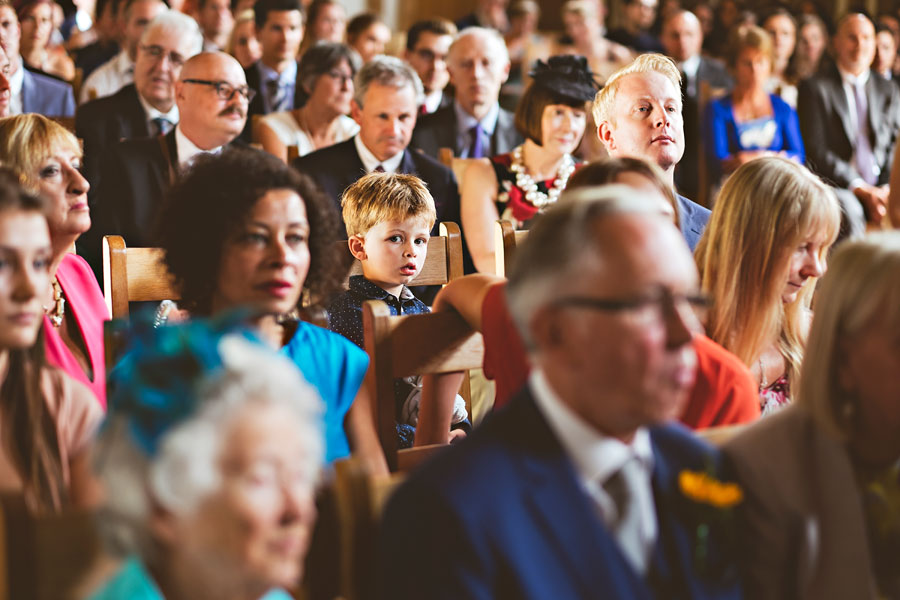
pixel 85 304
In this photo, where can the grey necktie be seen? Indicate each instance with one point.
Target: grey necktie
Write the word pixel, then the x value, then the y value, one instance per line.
pixel 276 95
pixel 627 527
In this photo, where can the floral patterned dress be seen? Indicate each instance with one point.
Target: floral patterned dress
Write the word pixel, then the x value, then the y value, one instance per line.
pixel 511 203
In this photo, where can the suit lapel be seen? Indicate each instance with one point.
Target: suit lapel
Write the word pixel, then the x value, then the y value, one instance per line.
pixel 839 97
pixel 672 553
pixel 876 101
pixel 565 513
pixel 134 115
pixel 407 165
pixel 505 135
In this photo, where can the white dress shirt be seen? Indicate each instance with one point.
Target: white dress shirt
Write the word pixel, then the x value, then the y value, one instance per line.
pixel 465 122
pixel 171 116
pixel 109 78
pixel 370 162
pixel 186 149
pixel 16 81
pixel 597 457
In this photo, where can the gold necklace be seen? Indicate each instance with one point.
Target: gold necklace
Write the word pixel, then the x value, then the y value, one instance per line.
pixel 57 310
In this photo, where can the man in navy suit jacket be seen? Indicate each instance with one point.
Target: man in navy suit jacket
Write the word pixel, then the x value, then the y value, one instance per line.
pixel 30 92
pixel 572 490
pixel 639 114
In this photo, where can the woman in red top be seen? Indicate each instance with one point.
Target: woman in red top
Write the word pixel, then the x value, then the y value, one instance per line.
pixel 47 159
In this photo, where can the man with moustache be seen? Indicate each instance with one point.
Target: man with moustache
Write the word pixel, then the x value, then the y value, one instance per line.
pixel 146 107
pixel 474 126
pixel 572 491
pixel 212 97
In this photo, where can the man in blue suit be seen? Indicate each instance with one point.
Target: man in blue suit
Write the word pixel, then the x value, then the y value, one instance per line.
pixel 571 492
pixel 30 92
pixel 639 114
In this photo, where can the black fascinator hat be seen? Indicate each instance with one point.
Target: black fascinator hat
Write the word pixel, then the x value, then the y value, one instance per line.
pixel 566 75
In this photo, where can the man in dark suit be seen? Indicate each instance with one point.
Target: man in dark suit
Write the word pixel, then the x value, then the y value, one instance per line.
pixel 211 95
pixel 279 29
pixel 572 491
pixel 386 97
pixel 638 114
pixel 638 18
pixel 30 92
pixel 849 118
pixel 147 107
pixel 474 126
pixel 682 38
pixel 427 45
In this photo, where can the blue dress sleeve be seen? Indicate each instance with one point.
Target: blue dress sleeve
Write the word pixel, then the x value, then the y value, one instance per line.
pixel 789 124
pixel 336 368
pixel 719 119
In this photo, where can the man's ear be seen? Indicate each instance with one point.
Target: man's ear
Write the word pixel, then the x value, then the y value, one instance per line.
pixel 357 247
pixel 179 86
pixel 604 132
pixel 546 331
pixel 356 112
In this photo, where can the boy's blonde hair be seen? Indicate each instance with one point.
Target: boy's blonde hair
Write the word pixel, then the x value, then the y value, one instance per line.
pixel 379 197
pixel 645 63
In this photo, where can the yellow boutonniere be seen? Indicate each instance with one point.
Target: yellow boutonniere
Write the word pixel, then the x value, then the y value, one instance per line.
pixel 705 489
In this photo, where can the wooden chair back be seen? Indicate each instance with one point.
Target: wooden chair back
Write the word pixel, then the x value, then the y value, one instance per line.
pixel 403 346
pixel 506 238
pixel 133 275
pixel 443 263
pixel 718 436
pixel 67 122
pixel 360 500
pixel 47 557
pixel 293 151
pixel 445 155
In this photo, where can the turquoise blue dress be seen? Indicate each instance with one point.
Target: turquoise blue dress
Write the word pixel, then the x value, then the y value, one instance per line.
pixel 335 366
pixel 134 583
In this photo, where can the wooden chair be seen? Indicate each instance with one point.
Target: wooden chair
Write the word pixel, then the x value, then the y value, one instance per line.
pixel 67 122
pixel 506 238
pixel 133 275
pixel 718 436
pixel 443 263
pixel 403 346
pixel 445 155
pixel 360 500
pixel 293 152
pixel 48 557
pixel 77 82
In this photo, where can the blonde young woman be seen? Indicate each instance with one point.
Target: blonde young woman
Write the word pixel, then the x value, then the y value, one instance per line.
pixel 762 252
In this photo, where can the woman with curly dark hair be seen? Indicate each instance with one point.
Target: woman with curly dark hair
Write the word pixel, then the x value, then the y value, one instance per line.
pixel 243 231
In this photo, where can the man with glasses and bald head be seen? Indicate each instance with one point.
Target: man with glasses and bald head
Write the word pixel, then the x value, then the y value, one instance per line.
pixel 212 96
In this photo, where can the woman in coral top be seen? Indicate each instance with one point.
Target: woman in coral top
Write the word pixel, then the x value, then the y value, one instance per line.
pixel 47 159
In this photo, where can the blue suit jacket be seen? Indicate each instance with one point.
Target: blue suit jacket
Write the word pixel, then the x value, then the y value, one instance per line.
pixel 502 515
pixel 692 219
pixel 47 96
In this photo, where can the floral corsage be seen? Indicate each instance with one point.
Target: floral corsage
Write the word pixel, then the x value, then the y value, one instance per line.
pixel 710 505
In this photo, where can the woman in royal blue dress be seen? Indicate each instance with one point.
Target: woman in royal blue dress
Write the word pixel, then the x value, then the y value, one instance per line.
pixel 750 122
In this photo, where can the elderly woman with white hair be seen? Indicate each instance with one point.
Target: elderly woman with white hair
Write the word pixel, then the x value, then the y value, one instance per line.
pixel 210 458
pixel 821 479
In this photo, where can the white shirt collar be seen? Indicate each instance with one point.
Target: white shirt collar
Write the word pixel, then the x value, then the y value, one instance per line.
pixel 691 66
pixel 16 81
pixel 369 160
pixel 433 100
pixel 852 80
pixel 152 113
pixel 595 456
pixel 186 149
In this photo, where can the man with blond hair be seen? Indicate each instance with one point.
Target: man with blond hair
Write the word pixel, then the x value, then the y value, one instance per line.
pixel 639 114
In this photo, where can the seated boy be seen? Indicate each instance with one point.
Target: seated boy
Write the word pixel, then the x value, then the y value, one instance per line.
pixel 388 218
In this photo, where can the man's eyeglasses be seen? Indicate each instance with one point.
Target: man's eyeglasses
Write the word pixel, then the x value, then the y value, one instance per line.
pixel 158 52
pixel 226 91
pixel 660 302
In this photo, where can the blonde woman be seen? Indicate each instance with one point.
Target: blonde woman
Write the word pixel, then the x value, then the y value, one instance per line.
pixel 837 451
pixel 762 252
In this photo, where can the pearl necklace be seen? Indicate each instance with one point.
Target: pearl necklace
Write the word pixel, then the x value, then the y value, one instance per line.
pixel 525 182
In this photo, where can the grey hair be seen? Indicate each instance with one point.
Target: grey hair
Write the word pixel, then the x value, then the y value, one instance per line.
pixel 562 244
pixel 862 283
pixel 185 469
pixel 490 35
pixel 180 24
pixel 388 71
pixel 319 60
